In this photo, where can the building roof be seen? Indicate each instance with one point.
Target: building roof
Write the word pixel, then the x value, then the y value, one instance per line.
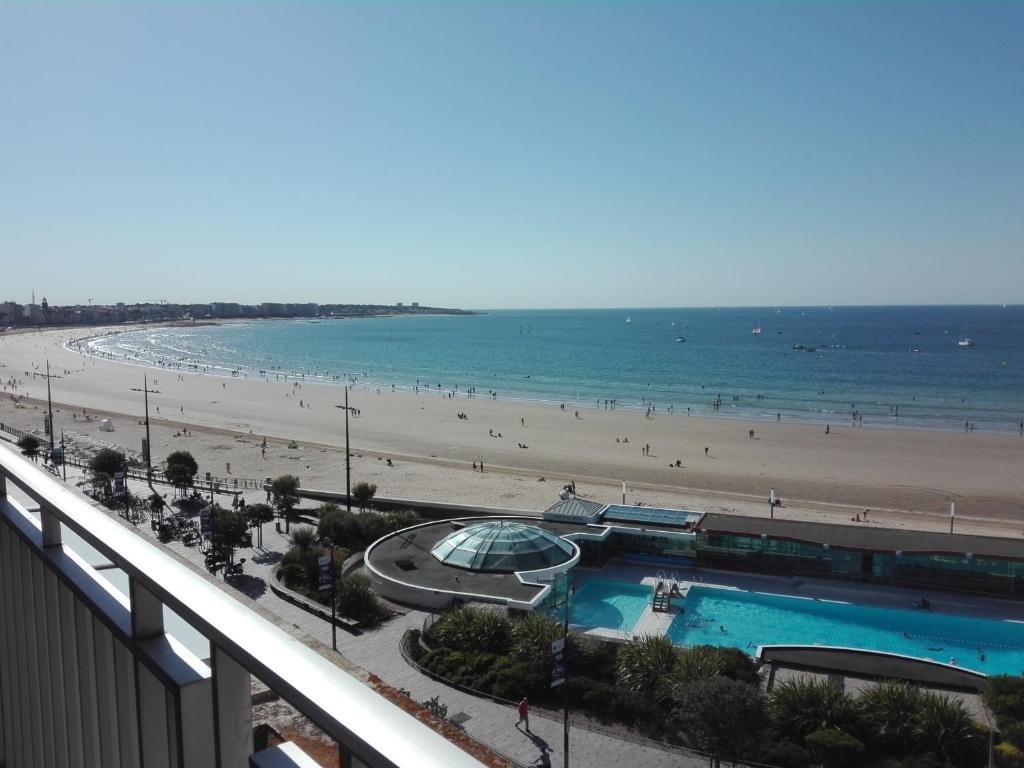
pixel 865 537
pixel 574 507
pixel 502 546
pixel 676 518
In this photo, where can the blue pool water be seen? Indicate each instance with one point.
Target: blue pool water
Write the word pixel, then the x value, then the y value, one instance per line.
pixel 609 604
pixel 751 619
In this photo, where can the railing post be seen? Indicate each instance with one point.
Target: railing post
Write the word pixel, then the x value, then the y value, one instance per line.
pixel 232 710
pixel 51 526
pixel 147 612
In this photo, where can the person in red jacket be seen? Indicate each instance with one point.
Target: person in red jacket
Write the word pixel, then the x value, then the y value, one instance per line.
pixel 524 713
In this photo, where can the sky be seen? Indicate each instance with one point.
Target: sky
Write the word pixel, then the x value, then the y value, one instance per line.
pixel 533 154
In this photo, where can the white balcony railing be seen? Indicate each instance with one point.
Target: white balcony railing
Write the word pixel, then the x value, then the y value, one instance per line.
pixel 89 677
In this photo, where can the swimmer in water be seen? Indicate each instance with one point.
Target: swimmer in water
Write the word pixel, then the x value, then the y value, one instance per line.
pixel 722 629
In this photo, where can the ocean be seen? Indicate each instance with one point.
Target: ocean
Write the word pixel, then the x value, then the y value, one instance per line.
pixel 894 366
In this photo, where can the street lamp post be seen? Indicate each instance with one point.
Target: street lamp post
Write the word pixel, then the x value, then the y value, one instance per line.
pixel 348 459
pixel 149 445
pixel 334 605
pixel 49 400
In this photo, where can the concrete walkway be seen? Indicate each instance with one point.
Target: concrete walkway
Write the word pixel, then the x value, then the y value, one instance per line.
pixel 379 652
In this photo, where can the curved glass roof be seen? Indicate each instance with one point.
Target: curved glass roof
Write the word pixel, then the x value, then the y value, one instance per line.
pixel 502 546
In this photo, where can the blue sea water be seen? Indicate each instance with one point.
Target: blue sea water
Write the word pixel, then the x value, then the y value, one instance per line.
pixel 868 359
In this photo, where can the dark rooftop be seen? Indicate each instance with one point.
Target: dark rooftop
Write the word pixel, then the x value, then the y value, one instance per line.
pixel 865 536
pixel 406 557
pixel 575 507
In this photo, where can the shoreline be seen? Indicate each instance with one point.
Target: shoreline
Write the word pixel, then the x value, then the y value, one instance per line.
pixel 906 477
pixel 808 417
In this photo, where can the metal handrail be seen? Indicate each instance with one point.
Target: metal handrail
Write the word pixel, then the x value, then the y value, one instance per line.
pixel 376 731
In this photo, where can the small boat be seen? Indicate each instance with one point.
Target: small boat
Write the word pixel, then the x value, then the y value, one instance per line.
pixel 965 340
pixel 680 339
pixel 629 320
pixel 756 330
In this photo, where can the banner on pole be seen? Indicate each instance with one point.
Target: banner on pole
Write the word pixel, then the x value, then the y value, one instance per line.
pixel 325 572
pixel 206 521
pixel 558 672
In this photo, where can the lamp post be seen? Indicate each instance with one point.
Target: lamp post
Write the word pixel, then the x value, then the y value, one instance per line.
pixel 49 400
pixel 334 604
pixel 149 445
pixel 348 460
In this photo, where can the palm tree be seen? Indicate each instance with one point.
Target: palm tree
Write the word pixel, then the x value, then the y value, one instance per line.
pixel 887 708
pixel 648 665
pixel 701 662
pixel 303 537
pixel 943 725
pixel 805 705
pixel 363 492
pixel 29 446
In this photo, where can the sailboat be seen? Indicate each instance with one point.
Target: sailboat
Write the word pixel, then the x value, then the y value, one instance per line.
pixel 629 319
pixel 756 330
pixel 965 340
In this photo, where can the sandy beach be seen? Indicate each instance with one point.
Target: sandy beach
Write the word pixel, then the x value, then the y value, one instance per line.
pixel 906 478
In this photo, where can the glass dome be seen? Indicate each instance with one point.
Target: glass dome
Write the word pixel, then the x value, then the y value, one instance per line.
pixel 502 546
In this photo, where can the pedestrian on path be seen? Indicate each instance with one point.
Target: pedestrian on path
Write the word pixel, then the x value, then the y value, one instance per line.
pixel 524 714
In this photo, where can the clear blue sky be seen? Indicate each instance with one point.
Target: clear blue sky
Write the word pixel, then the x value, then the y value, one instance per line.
pixel 513 155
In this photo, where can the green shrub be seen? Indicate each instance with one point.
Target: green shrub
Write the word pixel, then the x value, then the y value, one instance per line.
pixel 805 705
pixel 466 628
pixel 1008 756
pixel 721 716
pixel 1004 696
pixel 593 657
pixel 784 754
pixel 356 600
pixel 532 636
pixel 648 665
pixel 835 749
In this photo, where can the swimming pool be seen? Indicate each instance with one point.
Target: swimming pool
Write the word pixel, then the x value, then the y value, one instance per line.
pixel 609 604
pixel 746 620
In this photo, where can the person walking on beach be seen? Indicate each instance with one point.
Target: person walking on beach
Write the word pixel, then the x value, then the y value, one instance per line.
pixel 524 713
pixel 705 450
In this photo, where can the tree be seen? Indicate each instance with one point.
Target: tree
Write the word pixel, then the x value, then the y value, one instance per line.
pixel 181 469
pixel 722 716
pixel 303 537
pixel 805 705
pixel 286 496
pixel 648 665
pixel 258 514
pixel 29 446
pixel 363 492
pixel 157 504
pixel 104 464
pixel 229 532
pixel 340 526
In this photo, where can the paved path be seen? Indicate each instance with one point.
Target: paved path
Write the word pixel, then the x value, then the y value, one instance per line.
pixel 379 652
